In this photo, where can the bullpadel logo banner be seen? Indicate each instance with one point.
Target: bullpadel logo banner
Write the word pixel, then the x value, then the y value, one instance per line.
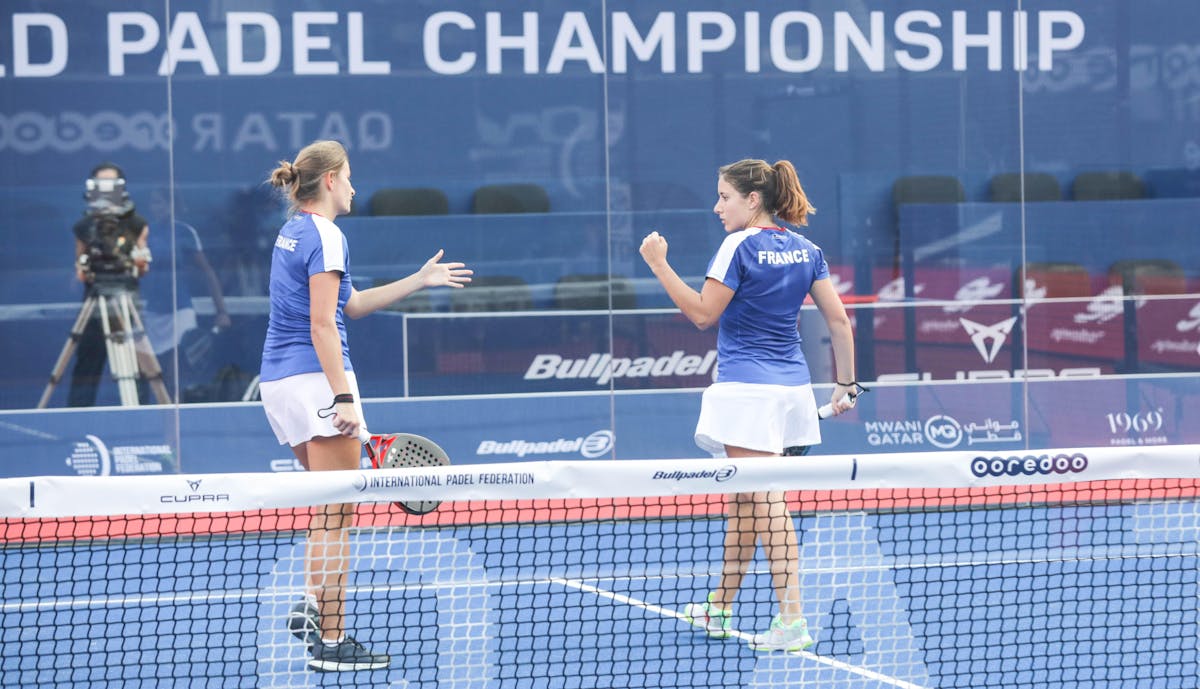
pixel 603 368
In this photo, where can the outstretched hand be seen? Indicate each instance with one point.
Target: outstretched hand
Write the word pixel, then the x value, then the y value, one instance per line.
pixel 435 274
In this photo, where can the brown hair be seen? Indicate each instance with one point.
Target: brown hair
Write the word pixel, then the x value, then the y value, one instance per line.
pixel 301 179
pixel 777 184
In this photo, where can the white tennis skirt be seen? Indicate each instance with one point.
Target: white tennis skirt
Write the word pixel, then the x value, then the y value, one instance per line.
pixel 755 416
pixel 292 404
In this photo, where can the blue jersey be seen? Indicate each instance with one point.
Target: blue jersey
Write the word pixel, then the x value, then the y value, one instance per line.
pixel 163 279
pixel 307 245
pixel 770 271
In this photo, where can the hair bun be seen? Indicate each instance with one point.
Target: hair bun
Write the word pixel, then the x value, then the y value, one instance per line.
pixel 285 174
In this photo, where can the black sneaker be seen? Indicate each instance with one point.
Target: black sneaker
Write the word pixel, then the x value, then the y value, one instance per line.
pixel 346 656
pixel 304 622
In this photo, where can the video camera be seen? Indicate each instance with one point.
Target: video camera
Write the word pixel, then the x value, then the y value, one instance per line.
pixel 107 197
pixel 111 243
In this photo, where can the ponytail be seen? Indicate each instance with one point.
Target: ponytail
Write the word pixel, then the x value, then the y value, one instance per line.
pixel 778 185
pixel 790 202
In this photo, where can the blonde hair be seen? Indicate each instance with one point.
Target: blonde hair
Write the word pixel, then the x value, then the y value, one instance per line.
pixel 301 178
pixel 777 184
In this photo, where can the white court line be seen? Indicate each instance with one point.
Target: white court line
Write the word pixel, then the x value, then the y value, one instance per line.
pixel 209 596
pixel 248 595
pixel 117 601
pixel 658 610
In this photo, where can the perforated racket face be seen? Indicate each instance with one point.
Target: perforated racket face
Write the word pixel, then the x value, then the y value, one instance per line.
pixel 408 451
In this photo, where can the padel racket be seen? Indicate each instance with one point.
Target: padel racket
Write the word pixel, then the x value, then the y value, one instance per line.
pixel 405 451
pixel 824 412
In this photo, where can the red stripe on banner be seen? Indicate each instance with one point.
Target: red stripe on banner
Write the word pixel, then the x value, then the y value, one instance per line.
pixel 378 515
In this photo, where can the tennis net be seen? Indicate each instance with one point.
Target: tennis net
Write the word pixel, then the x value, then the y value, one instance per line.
pixel 1055 568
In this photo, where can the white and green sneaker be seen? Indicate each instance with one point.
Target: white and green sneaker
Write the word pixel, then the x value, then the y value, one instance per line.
pixel 717 623
pixel 780 637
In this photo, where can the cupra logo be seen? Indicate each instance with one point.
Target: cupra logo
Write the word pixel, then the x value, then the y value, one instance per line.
pixel 988 339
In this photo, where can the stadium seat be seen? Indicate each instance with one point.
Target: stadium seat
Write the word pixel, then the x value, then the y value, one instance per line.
pixel 590 292
pixel 510 198
pixel 927 189
pixel 1058 279
pixel 922 189
pixel 1107 186
pixel 1148 276
pixel 1173 183
pixel 493 293
pixel 1039 186
pixel 419 201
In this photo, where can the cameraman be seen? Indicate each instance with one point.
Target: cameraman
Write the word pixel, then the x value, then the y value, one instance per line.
pixel 102 213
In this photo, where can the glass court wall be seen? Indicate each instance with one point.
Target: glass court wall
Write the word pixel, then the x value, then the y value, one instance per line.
pixel 1006 194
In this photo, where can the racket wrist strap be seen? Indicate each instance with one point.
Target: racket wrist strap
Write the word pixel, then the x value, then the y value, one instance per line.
pixel 856 387
pixel 337 399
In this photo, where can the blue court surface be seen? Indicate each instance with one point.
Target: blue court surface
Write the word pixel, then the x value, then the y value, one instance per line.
pixel 1069 596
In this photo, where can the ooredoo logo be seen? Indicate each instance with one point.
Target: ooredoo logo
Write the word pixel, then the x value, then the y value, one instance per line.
pixel 1029 465
pixel 943 431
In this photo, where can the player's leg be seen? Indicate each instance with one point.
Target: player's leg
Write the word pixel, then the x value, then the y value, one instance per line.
pixel 775 527
pixel 304 619
pixel 777 531
pixel 715 615
pixel 740 543
pixel 293 407
pixel 746 528
pixel 741 536
pixel 328 561
pixel 797 424
pixel 766 517
pixel 328 553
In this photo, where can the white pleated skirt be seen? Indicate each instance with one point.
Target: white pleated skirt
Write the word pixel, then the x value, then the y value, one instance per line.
pixel 755 416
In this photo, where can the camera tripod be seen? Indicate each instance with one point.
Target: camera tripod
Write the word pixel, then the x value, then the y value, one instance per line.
pixel 129 352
